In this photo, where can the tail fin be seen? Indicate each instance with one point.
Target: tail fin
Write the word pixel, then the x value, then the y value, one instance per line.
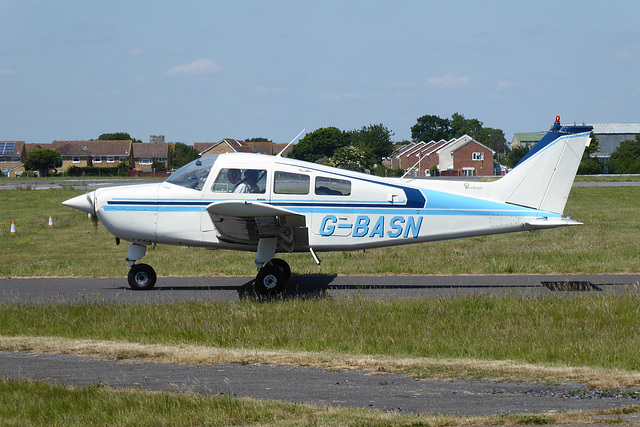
pixel 543 178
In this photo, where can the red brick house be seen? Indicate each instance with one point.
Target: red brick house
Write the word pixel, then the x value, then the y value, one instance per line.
pixel 146 153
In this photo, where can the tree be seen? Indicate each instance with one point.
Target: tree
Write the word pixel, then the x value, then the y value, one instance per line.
pixel 626 158
pixel 434 128
pixel 461 126
pixel 515 155
pixel 374 142
pixel 320 143
pixel 351 158
pixel 492 138
pixel 259 139
pixel 590 165
pixel 431 128
pixel 43 160
pixel 182 154
pixel 117 136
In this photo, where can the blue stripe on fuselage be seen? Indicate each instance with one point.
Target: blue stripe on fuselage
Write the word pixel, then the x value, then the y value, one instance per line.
pixel 438 204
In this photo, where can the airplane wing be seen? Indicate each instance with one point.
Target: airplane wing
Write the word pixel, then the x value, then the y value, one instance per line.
pixel 246 222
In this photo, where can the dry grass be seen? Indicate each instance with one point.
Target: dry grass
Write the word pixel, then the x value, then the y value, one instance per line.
pixel 375 365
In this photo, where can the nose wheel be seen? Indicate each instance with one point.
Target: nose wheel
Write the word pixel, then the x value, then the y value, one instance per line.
pixel 141 277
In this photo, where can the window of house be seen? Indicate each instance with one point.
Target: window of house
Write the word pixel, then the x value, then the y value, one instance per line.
pixel 111 159
pixel 3 160
pixel 468 171
pixel 161 159
pixel 15 159
pixel 477 156
pixel 97 159
pixel 146 161
pixel 332 186
pixel 75 159
pixel 291 183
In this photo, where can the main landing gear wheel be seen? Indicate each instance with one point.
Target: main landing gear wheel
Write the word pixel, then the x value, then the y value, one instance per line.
pixel 272 277
pixel 283 266
pixel 142 277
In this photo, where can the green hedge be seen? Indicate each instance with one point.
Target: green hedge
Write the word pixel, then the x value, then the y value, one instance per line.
pixel 92 171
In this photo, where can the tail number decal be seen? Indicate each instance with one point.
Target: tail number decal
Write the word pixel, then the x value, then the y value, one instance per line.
pixel 364 226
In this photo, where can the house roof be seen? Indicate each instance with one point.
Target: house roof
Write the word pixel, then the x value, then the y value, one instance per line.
pixel 616 128
pixel 261 147
pixel 150 149
pixel 277 148
pixel 529 137
pixel 11 148
pixel 70 149
pixel 438 145
pixel 201 147
pixel 475 142
pixel 99 148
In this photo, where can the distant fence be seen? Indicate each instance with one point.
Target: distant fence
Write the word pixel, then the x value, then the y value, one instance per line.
pixel 152 174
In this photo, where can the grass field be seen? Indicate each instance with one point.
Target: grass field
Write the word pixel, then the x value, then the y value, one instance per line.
pixel 591 338
pixel 75 246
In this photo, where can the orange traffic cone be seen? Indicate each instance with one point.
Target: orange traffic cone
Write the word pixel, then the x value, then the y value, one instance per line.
pixel 13 228
pixel 50 221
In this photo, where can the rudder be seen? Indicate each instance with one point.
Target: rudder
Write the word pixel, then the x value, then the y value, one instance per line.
pixel 543 178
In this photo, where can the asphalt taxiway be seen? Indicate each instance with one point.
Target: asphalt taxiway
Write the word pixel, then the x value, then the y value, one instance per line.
pixel 171 289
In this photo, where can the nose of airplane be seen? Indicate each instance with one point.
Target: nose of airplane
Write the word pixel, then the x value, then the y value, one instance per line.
pixel 82 203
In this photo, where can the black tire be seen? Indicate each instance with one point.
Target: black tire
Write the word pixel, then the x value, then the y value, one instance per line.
pixel 142 277
pixel 283 266
pixel 270 280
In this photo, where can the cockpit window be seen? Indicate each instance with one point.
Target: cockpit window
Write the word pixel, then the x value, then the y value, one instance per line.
pixel 234 180
pixel 193 175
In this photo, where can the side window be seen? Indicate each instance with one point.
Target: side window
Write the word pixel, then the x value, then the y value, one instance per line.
pixel 291 183
pixel 240 181
pixel 332 186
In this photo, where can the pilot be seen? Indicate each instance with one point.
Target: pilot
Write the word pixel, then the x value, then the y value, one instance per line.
pixel 234 176
pixel 251 179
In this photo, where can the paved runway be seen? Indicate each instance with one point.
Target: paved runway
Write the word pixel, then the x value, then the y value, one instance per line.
pixel 168 289
pixel 388 392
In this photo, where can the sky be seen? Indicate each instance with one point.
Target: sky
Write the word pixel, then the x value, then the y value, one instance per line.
pixel 200 71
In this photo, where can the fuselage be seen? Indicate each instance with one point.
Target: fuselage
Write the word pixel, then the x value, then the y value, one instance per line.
pixel 336 209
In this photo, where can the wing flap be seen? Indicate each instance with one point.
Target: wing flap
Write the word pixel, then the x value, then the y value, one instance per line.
pixel 245 209
pixel 246 222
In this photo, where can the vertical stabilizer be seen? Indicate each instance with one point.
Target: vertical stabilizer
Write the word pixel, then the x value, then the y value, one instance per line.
pixel 543 178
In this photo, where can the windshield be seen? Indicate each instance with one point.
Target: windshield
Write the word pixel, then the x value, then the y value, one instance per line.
pixel 193 175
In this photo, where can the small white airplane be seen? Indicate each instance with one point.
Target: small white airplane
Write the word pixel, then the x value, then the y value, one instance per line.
pixel 270 204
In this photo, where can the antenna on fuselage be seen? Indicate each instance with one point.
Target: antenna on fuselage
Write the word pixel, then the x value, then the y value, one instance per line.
pixel 292 141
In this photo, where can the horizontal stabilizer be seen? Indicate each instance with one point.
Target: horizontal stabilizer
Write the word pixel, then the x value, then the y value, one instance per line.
pixel 554 222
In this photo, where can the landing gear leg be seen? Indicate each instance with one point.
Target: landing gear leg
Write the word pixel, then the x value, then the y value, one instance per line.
pixel 141 276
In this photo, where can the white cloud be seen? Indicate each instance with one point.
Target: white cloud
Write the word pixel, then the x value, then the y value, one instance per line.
pixel 504 84
pixel 448 81
pixel 268 90
pixel 7 71
pixel 200 67
pixel 136 51
pixel 341 96
pixel 622 56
